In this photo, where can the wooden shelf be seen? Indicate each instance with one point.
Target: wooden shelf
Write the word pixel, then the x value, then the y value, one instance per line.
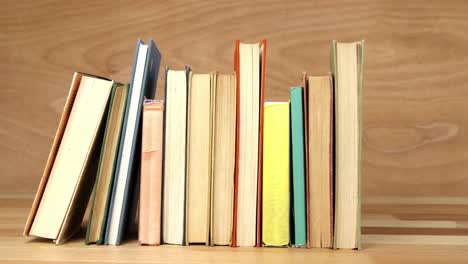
pixel 376 248
pixel 27 251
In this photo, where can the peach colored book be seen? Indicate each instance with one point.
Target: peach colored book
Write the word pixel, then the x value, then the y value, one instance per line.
pixel 149 231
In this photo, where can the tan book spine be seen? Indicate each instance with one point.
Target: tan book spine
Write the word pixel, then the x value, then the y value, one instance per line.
pixel 321 161
pixel 347 61
pixel 149 231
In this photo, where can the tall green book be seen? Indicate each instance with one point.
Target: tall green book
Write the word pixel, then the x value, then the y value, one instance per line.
pixel 298 167
pixel 106 169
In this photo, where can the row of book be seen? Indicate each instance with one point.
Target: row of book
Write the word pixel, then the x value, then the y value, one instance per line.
pixel 212 163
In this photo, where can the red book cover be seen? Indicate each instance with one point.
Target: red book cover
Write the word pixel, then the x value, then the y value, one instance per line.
pixel 236 171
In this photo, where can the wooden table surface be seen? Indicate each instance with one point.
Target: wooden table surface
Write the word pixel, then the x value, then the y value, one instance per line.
pixel 415 139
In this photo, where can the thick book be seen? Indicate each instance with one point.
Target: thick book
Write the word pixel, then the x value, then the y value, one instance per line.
pixel 320 150
pixel 149 224
pixel 175 156
pixel 106 170
pixel 276 175
pixel 124 200
pixel 250 73
pixel 223 156
pixel 67 181
pixel 199 159
pixel 298 168
pixel 347 60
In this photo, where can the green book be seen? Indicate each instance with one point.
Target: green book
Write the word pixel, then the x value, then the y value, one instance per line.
pixel 106 169
pixel 298 167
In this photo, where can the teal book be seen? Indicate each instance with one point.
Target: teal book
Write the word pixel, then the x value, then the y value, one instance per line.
pixel 298 167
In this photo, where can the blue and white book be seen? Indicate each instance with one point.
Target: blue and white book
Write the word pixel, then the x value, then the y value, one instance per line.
pixel 124 200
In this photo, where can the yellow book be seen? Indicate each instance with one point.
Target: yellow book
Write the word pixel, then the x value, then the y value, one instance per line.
pixel 275 199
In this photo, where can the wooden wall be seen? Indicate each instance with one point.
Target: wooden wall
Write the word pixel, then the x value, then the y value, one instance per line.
pixel 415 146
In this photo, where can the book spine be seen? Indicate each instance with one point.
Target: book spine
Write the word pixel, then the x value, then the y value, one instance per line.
pixel 305 97
pixel 149 231
pixel 260 144
pixel 297 139
pixel 236 174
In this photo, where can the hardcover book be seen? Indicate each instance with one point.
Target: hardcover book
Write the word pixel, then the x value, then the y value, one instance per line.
pixel 276 175
pixel 347 60
pixel 224 153
pixel 125 193
pixel 321 161
pixel 298 168
pixel 68 177
pixel 250 74
pixel 175 157
pixel 149 224
pixel 199 157
pixel 106 169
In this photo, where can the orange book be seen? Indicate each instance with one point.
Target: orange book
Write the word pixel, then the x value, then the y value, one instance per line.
pixel 242 219
pixel 149 230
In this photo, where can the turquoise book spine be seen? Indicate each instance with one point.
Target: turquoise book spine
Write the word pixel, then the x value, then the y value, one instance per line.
pixel 298 167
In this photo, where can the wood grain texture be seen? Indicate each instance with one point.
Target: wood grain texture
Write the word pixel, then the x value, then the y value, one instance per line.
pixel 415 137
pixel 378 248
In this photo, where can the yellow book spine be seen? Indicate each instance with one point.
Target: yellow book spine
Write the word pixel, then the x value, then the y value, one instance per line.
pixel 275 195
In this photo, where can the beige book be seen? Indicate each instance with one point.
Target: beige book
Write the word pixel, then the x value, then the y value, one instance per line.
pixel 67 188
pixel 174 172
pixel 223 156
pixel 249 109
pixel 199 129
pixel 347 66
pixel 320 146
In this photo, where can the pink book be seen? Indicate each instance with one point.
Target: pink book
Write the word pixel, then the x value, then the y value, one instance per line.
pixel 149 229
